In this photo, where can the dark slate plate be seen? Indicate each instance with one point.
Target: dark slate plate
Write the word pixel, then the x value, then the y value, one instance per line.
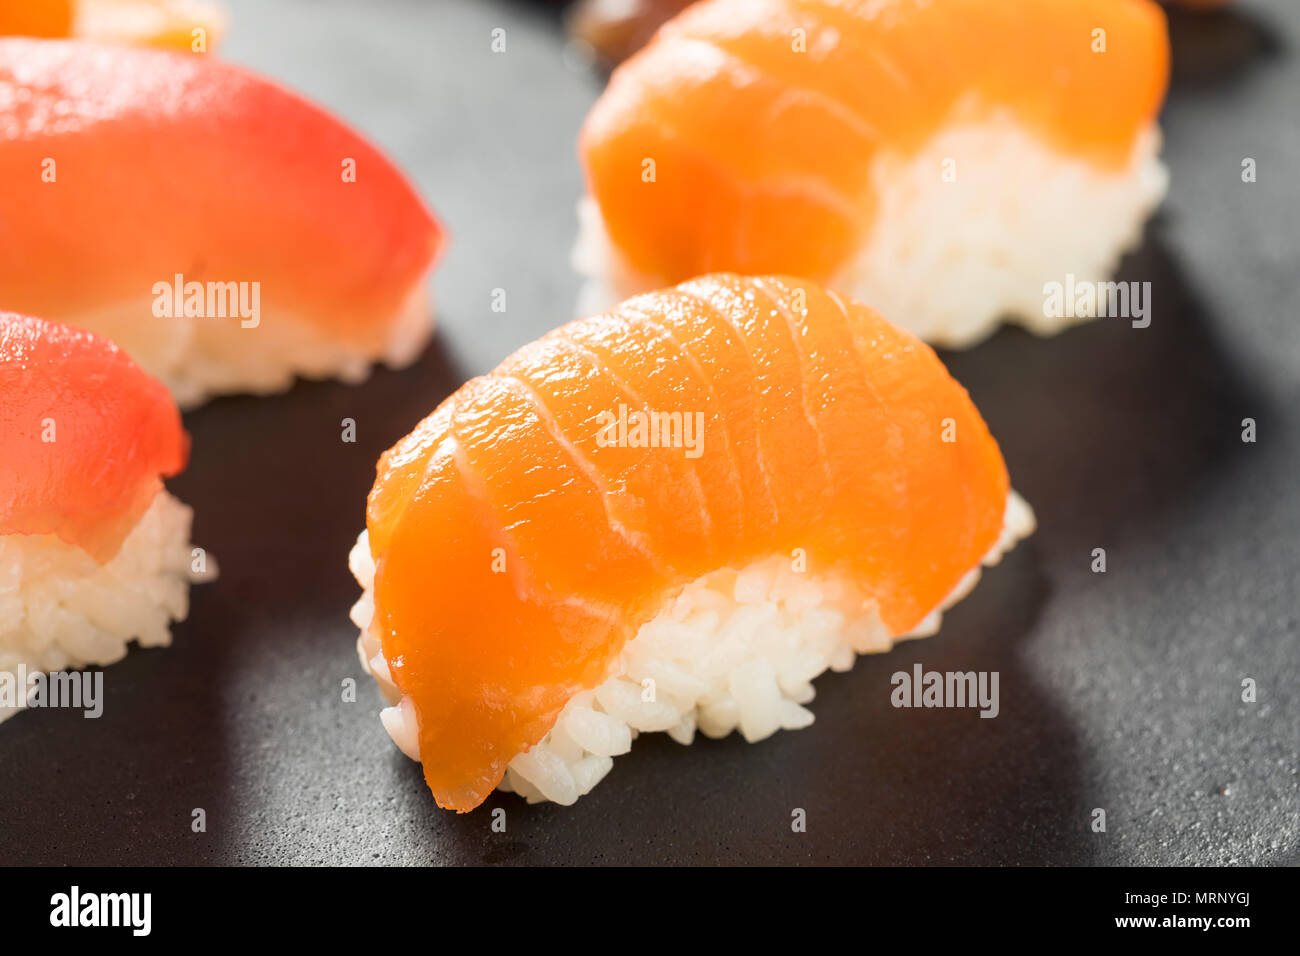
pixel 1119 690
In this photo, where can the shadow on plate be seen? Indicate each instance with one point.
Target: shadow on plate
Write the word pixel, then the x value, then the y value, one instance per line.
pixel 1107 427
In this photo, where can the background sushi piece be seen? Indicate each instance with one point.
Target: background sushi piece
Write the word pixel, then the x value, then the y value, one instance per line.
pixel 195 25
pixel 36 18
pixel 615 29
pixel 228 233
pixel 908 154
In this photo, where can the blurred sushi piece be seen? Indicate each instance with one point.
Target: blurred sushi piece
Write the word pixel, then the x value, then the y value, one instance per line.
pixel 94 553
pixel 36 18
pixel 615 29
pixel 669 517
pixel 943 161
pixel 195 25
pixel 226 232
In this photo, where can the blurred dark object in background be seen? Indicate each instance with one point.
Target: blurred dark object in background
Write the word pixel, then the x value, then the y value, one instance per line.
pixel 1213 42
pixel 615 29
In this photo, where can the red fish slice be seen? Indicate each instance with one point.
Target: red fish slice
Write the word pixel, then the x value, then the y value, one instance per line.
pixel 85 436
pixel 125 168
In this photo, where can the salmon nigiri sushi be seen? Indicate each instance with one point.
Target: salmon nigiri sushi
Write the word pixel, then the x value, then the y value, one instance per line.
pixel 669 517
pixel 944 161
pixel 194 25
pixel 94 553
pixel 225 232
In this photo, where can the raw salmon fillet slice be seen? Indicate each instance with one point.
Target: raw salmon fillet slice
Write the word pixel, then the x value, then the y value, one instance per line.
pixel 762 119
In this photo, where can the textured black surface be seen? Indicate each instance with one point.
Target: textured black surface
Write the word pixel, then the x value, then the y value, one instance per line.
pixel 1119 691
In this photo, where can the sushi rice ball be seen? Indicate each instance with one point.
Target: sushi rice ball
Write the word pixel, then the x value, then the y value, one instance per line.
pixel 946 162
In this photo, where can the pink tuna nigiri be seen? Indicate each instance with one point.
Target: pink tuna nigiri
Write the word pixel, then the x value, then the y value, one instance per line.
pixel 226 232
pixel 94 553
